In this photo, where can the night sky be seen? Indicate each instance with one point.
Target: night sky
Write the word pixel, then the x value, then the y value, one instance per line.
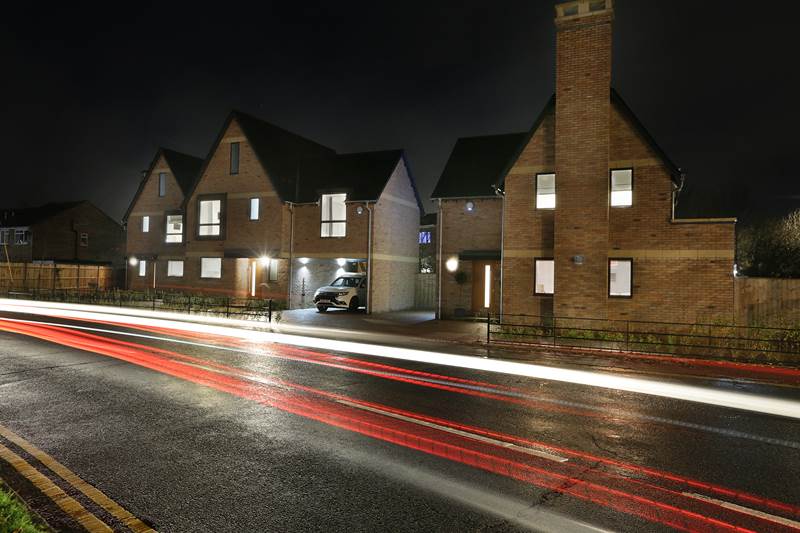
pixel 90 91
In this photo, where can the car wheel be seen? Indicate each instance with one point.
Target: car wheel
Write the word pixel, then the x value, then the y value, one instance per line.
pixel 322 308
pixel 353 304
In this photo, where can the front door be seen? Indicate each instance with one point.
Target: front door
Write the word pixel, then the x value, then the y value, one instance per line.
pixel 483 286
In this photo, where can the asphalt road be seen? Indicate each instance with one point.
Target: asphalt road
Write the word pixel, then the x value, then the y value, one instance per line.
pixel 220 434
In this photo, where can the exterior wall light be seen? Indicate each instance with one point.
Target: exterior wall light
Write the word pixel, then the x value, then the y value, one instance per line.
pixel 303 260
pixel 359 210
pixel 341 261
pixel 133 261
pixel 470 207
pixel 264 260
pixel 452 264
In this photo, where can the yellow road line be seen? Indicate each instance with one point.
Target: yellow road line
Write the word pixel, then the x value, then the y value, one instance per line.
pixel 74 509
pixel 94 494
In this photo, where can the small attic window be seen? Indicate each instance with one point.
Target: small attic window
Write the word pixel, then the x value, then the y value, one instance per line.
pixel 571 11
pixel 597 6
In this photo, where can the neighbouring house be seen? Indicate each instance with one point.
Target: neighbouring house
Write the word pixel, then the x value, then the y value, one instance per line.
pixel 64 232
pixel 576 216
pixel 271 214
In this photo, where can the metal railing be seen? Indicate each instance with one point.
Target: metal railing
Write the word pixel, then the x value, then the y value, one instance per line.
pixel 244 308
pixel 713 341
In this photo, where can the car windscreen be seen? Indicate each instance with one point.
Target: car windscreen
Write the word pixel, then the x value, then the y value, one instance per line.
pixel 346 282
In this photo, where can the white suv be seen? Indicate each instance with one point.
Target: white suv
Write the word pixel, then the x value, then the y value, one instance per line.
pixel 348 291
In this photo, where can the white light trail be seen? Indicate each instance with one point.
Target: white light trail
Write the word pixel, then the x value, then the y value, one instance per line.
pixel 214 326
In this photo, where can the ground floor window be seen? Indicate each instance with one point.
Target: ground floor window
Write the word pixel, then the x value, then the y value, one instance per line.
pixel 4 236
pixel 211 267
pixel 175 269
pixel 21 236
pixel 620 277
pixel 142 268
pixel 273 270
pixel 84 239
pixel 544 278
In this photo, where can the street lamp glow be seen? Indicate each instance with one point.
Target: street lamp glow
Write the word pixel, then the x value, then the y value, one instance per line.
pixel 452 264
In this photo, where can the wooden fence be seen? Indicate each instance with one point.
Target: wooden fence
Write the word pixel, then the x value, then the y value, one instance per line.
pixel 31 277
pixel 767 302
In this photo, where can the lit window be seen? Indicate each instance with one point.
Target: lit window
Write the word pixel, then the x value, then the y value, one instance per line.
pixel 211 267
pixel 334 215
pixel 84 239
pixel 4 236
pixel 162 183
pixel 145 224
pixel 544 278
pixel 424 237
pixel 273 270
pixel 210 218
pixel 234 158
pixel 255 204
pixel 620 275
pixel 21 237
pixel 175 269
pixel 545 191
pixel 174 228
pixel 142 268
pixel 621 188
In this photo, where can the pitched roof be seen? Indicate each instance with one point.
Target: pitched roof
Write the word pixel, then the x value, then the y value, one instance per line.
pixel 184 167
pixel 29 216
pixel 362 175
pixel 477 164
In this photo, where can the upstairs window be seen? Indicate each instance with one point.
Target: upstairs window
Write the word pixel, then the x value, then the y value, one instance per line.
pixel 545 191
pixel 174 231
pixel 255 205
pixel 620 278
pixel 234 158
pixel 162 183
pixel 145 224
pixel 175 269
pixel 334 215
pixel 622 188
pixel 211 267
pixel 84 240
pixel 142 268
pixel 424 237
pixel 21 236
pixel 544 276
pixel 210 221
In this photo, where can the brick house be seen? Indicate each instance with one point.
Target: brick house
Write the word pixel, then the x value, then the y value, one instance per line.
pixel 65 232
pixel 269 213
pixel 581 207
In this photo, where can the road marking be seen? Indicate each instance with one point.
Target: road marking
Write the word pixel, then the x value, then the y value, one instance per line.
pixel 473 436
pixel 68 504
pixel 94 494
pixel 745 510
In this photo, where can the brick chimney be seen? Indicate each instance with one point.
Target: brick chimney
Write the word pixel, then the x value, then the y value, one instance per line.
pixel 583 106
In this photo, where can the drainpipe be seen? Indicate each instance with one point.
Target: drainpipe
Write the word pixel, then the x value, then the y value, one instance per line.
pixel 439 265
pixel 291 252
pixel 676 190
pixel 499 192
pixel 369 261
pixel 155 269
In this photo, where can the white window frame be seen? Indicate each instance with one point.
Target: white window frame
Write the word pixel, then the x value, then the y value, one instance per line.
pixel 612 293
pixel 170 235
pixel 255 208
pixel 207 271
pixel 25 237
pixel 545 200
pixel 84 240
pixel 210 225
pixel 273 270
pixel 536 276
pixel 146 224
pixel 619 197
pixel 175 269
pixel 162 184
pixel 328 225
pixel 142 268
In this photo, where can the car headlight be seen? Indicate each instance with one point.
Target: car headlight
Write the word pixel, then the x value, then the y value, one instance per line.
pixel 344 293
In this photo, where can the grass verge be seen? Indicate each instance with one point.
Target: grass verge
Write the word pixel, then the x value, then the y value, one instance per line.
pixel 15 516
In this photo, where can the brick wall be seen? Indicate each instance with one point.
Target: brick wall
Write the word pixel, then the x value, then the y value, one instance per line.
pixel 463 230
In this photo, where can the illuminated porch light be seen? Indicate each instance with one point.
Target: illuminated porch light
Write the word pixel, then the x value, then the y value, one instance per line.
pixel 341 261
pixel 264 260
pixel 133 261
pixel 303 260
pixel 452 264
